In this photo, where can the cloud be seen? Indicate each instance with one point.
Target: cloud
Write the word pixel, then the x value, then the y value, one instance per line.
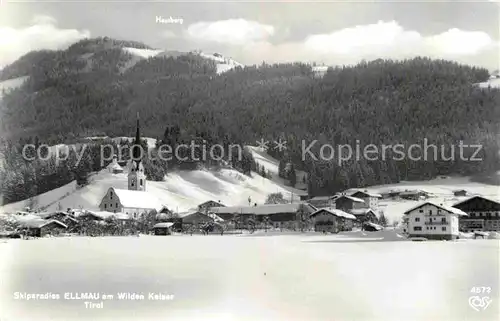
pixel 233 31
pixel 42 33
pixel 380 40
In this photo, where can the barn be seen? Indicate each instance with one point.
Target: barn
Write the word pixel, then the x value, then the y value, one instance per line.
pixel 332 220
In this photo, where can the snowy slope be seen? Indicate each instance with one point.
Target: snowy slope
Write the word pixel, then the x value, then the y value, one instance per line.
pixel 493 83
pixel 11 84
pixel 271 164
pixel 223 63
pixel 180 192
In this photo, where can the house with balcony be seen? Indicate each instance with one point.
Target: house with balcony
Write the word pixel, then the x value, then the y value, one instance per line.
pixel 433 221
pixel 483 214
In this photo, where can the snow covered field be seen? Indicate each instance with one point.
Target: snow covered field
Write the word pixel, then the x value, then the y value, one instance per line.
pixel 294 277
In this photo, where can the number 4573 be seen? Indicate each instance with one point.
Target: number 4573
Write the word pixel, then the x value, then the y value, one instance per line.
pixel 481 289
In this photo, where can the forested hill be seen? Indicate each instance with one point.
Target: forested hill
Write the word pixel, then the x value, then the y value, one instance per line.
pixel 86 91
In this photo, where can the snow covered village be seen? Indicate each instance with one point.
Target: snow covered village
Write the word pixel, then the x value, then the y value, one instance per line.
pixel 249 161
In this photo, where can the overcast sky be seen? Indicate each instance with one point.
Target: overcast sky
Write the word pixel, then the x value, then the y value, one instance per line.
pixel 252 32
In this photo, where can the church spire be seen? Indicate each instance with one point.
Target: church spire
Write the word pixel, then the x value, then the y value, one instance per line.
pixel 137 143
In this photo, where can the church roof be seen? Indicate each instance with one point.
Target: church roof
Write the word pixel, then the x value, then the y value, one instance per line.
pixel 138 199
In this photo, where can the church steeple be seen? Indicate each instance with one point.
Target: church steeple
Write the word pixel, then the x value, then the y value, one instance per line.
pixel 136 176
pixel 136 153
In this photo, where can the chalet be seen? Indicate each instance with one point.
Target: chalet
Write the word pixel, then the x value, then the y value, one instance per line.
pixel 114 167
pixel 60 216
pixel 364 215
pixel 132 203
pixel 163 228
pixel 433 221
pixel 206 206
pixel 41 227
pixel 347 203
pixel 331 220
pixel 483 214
pixel 194 219
pixel 370 199
pixel 277 213
pixel 460 192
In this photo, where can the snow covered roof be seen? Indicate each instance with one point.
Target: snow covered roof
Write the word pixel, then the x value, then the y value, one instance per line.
pixel 163 225
pixel 105 214
pixel 321 198
pixel 266 209
pixel 49 215
pixel 39 223
pixel 361 211
pixel 473 197
pixel 188 213
pixel 335 212
pixel 115 166
pixel 212 201
pixel 449 209
pixel 369 194
pixel 355 199
pixel 137 199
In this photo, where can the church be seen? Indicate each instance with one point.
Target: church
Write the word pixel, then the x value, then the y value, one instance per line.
pixel 135 200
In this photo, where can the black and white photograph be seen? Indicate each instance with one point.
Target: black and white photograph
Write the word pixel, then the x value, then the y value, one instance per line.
pixel 258 160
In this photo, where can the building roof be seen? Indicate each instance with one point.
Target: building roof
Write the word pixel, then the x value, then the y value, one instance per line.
pixel 39 223
pixel 212 201
pixel 163 225
pixel 266 209
pixel 48 215
pixel 115 167
pixel 189 213
pixel 361 211
pixel 137 199
pixel 415 192
pixel 335 212
pixel 473 197
pixel 449 209
pixel 321 198
pixel 105 214
pixel 369 194
pixel 354 199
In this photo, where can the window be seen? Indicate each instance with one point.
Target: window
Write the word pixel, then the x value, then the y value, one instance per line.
pixel 417 219
pixel 439 211
pixel 443 220
pixel 443 229
pixel 105 206
pixel 117 205
pixel 110 205
pixel 417 228
pixel 132 184
pixel 111 195
pixel 420 211
pixel 140 182
pixel 430 212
